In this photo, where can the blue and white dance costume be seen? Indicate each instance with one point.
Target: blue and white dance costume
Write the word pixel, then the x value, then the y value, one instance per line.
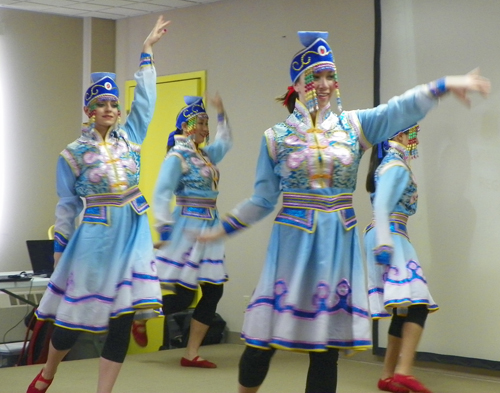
pixel 190 174
pixel 107 266
pixel 401 283
pixel 311 294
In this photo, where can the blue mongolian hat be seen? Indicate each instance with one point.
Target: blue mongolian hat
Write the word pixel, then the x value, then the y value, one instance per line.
pixel 317 56
pixel 187 115
pixel 317 53
pixel 103 87
pixel 194 108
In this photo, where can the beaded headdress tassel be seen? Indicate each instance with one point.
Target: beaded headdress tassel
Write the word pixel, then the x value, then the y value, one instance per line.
pixel 412 141
pixel 411 147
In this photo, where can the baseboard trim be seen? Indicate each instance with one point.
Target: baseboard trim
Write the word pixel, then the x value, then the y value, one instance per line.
pixel 439 360
pixel 234 338
pixel 450 360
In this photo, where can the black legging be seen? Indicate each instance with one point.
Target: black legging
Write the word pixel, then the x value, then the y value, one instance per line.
pixel 416 314
pixel 115 346
pixel 321 376
pixel 204 311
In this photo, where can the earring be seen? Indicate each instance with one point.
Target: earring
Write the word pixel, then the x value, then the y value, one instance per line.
pixel 337 90
pixel 92 119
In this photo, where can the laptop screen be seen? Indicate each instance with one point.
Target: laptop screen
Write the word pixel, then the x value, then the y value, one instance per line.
pixel 41 256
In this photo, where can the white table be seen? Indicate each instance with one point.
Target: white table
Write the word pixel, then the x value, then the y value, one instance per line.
pixel 35 282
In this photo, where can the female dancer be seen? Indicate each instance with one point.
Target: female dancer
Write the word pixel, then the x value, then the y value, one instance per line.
pixel 311 295
pixel 189 172
pixel 396 282
pixel 105 269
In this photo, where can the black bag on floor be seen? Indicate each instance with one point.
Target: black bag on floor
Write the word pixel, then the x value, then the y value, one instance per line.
pixel 180 324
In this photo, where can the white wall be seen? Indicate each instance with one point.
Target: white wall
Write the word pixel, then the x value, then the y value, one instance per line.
pixel 40 83
pixel 455 229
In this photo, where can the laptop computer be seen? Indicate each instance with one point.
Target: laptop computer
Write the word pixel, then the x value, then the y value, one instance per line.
pixel 41 254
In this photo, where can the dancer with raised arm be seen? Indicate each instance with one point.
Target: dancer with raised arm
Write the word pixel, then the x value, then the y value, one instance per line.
pixel 105 269
pixel 189 173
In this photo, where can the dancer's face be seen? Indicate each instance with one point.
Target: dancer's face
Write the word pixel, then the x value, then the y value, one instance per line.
pixel 200 131
pixel 324 83
pixel 106 113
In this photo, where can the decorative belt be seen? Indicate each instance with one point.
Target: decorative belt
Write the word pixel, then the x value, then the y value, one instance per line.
pixel 196 202
pixel 300 210
pixel 114 199
pixel 397 224
pixel 326 203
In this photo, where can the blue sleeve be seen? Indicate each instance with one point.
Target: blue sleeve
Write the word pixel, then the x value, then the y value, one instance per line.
pixel 400 112
pixel 390 188
pixel 166 184
pixel 222 143
pixel 68 207
pixel 143 106
pixel 266 193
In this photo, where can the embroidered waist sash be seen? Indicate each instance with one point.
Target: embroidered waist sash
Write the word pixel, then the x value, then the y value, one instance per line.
pixel 300 209
pixel 397 224
pixel 196 202
pixel 326 203
pixel 197 207
pixel 96 211
pixel 114 199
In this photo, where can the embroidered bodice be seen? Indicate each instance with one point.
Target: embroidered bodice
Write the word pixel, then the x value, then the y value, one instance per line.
pixel 108 165
pixel 396 156
pixel 312 157
pixel 198 171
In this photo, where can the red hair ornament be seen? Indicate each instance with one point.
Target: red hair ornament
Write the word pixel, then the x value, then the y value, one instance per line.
pixel 291 90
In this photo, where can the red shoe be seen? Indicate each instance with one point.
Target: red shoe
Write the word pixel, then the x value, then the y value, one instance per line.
pixel 140 334
pixel 39 378
pixel 197 363
pixel 388 385
pixel 410 382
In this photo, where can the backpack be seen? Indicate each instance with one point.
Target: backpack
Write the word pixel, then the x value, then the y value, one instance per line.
pixel 180 324
pixel 36 347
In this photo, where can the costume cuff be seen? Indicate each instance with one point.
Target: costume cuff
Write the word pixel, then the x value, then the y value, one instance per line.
pixel 232 224
pixel 165 232
pixel 438 87
pixel 60 242
pixel 383 254
pixel 146 60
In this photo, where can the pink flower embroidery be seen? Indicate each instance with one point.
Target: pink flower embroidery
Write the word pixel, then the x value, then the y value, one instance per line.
pixel 344 155
pixel 95 175
pixel 90 157
pixel 295 159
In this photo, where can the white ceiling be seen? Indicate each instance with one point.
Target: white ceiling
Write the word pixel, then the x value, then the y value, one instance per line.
pixel 106 9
